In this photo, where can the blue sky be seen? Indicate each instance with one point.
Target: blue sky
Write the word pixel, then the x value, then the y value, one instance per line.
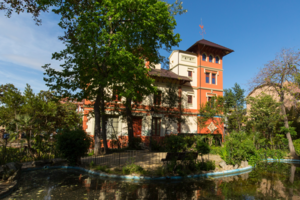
pixel 256 30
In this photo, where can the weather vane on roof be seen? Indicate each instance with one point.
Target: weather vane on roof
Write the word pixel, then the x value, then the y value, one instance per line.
pixel 202 30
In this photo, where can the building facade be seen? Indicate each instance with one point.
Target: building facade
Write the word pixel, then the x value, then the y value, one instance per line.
pixel 291 97
pixel 198 75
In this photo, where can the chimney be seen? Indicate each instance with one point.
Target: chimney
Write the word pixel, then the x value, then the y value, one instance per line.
pixel 158 66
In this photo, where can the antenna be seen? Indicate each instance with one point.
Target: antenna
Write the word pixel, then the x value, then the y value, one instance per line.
pixel 202 30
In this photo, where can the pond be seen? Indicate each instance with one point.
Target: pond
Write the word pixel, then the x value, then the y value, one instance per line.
pixel 266 181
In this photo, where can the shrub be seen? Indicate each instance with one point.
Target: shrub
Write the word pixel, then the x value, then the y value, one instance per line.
pixel 156 146
pixel 239 147
pixel 179 143
pixel 102 168
pixel 206 166
pixel 72 145
pixel 175 143
pixel 297 146
pixel 132 168
pixel 136 141
pixel 202 148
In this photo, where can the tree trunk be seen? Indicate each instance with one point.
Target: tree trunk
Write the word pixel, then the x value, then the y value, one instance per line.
pixel 129 123
pixel 286 125
pixel 103 119
pixel 97 146
pixel 292 176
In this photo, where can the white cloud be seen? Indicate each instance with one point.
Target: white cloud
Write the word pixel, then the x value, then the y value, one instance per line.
pixel 26 44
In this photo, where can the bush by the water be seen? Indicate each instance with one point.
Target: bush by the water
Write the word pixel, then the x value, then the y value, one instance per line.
pixel 131 167
pixel 188 167
pixel 239 146
pixel 73 144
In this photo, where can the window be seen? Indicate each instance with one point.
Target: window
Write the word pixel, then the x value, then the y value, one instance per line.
pixel 156 126
pixel 190 74
pixel 207 77
pixel 157 98
pixel 217 59
pixel 190 99
pixel 213 78
pixel 210 58
pixel 210 100
pixel 204 57
pixel 112 124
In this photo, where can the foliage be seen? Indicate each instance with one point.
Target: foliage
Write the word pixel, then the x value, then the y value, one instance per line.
pixel 239 147
pixel 174 143
pixel 73 145
pixel 172 113
pixel 37 116
pixel 178 143
pixel 297 146
pixel 103 168
pixel 157 145
pixel 264 114
pixel 234 107
pixel 263 154
pixel 91 153
pixel 280 75
pixel 215 149
pixel 202 148
pixel 36 7
pixel 106 46
pixel 208 113
pixel 188 167
pixel 131 167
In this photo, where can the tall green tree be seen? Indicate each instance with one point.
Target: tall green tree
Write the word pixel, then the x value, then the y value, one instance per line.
pixel 12 101
pixel 36 114
pixel 108 44
pixel 235 107
pixel 280 75
pixel 264 115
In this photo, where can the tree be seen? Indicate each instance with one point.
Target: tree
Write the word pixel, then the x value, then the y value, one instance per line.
pixel 35 7
pixel 73 145
pixel 264 115
pixel 212 111
pixel 170 100
pixel 234 104
pixel 12 101
pixel 280 75
pixel 36 114
pixel 107 44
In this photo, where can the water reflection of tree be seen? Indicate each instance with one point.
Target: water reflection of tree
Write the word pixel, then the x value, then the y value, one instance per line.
pixel 268 181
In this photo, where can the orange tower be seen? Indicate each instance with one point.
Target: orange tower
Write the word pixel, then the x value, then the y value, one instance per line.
pixel 209 70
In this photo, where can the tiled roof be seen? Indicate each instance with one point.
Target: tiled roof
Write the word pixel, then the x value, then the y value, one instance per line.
pixel 168 74
pixel 211 44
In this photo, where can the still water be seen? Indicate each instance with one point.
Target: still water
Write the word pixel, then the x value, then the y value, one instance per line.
pixel 267 181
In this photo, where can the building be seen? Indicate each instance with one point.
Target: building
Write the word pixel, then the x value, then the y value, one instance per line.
pixel 198 73
pixel 290 100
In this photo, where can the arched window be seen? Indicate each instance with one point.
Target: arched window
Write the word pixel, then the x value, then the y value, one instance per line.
pixel 210 58
pixel 204 57
pixel 217 59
